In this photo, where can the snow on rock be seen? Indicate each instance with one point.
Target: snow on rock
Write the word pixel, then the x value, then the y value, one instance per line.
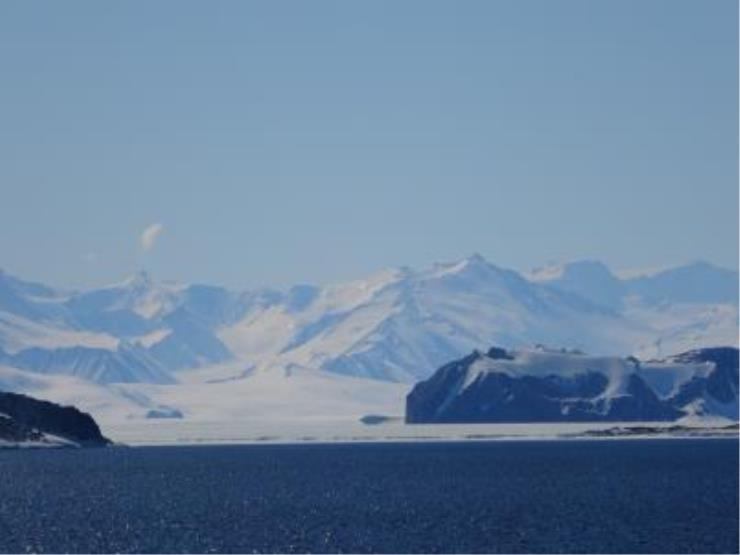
pixel 547 386
pixel 141 345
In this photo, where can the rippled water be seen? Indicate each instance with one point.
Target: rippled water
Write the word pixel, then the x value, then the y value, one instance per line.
pixel 525 496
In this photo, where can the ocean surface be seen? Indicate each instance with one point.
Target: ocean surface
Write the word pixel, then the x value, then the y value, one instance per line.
pixel 664 495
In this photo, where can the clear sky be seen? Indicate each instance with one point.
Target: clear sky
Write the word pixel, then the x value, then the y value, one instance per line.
pixel 277 142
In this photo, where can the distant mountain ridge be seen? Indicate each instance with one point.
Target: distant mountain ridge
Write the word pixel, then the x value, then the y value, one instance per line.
pixel 396 325
pixel 562 386
pixel 698 282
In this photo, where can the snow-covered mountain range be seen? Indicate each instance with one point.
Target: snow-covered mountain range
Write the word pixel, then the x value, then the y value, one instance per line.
pixel 131 341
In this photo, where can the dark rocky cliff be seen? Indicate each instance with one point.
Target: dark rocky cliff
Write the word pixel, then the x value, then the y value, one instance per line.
pixel 458 393
pixel 24 419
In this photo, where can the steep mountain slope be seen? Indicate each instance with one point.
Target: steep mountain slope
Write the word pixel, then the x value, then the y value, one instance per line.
pixel 684 308
pixel 399 324
pixel 396 325
pixel 680 327
pixel 125 363
pixel 30 301
pixel 561 386
pixel 137 330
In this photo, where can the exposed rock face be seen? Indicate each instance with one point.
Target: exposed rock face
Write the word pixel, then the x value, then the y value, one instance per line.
pixel 558 386
pixel 721 384
pixel 164 412
pixel 25 419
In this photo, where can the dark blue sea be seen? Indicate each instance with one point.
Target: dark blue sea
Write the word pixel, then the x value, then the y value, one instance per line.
pixel 669 496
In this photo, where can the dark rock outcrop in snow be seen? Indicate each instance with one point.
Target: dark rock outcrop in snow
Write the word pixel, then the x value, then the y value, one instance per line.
pixel 558 386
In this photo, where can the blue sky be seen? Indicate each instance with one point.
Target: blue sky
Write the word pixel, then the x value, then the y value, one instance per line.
pixel 282 142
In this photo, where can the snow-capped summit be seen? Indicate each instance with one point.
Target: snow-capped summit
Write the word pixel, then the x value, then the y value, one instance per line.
pixel 138 293
pixel 400 324
pixel 473 264
pixel 397 324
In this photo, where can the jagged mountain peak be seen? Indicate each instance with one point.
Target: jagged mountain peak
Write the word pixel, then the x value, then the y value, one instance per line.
pixel 143 281
pixel 470 264
pixel 397 324
pixel 139 293
pixel 475 261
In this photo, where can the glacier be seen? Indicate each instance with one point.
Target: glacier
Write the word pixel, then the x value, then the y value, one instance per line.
pixel 141 346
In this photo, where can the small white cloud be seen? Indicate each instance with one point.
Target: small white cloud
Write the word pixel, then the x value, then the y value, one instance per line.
pixel 89 256
pixel 149 236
